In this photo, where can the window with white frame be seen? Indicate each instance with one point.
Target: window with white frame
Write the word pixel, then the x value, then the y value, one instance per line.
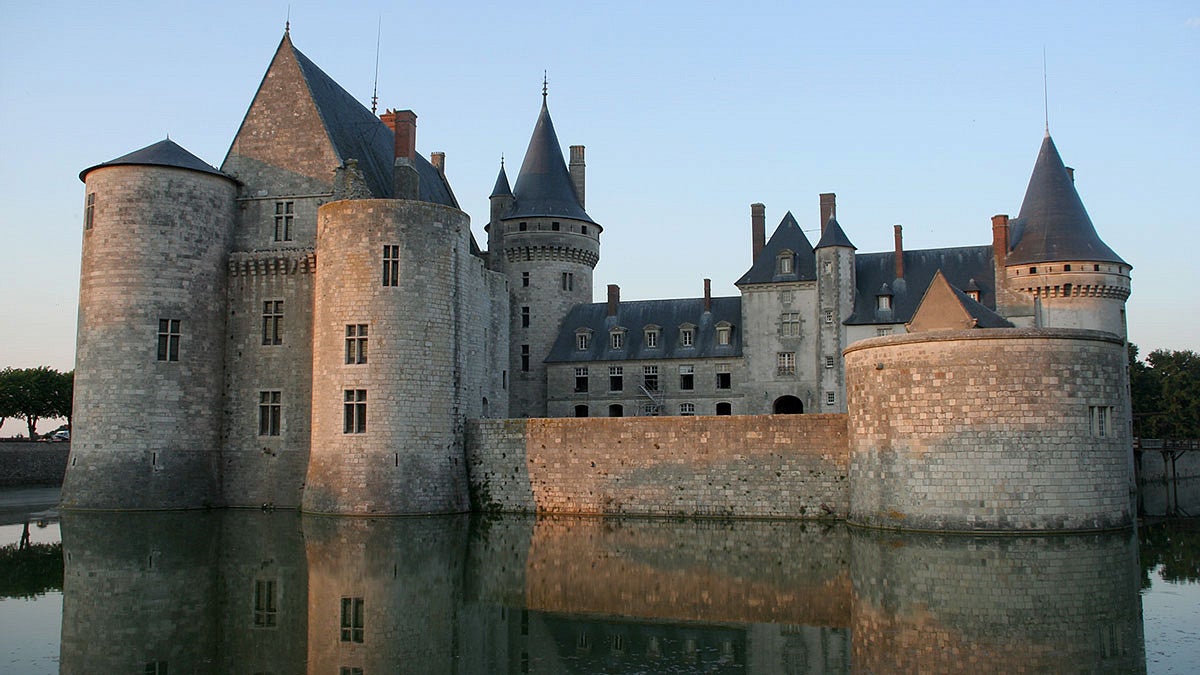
pixel 789 324
pixel 687 336
pixel 356 343
pixel 650 410
pixel 883 331
pixel 169 336
pixel 724 333
pixel 687 377
pixel 272 322
pixel 687 409
pixel 581 379
pixel 651 337
pixel 583 340
pixel 616 338
pixel 785 363
pixel 1101 420
pixel 616 378
pixel 783 264
pixel 650 378
pixel 829 363
pixel 270 412
pixel 828 316
pixel 830 398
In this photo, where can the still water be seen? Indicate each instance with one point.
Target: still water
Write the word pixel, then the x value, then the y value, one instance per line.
pixel 254 592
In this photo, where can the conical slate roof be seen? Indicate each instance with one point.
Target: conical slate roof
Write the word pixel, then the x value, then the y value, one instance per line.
pixel 787 236
pixel 163 153
pixel 501 189
pixel 1053 225
pixel 834 236
pixel 544 186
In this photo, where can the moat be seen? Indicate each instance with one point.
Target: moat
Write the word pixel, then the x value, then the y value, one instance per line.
pixel 252 591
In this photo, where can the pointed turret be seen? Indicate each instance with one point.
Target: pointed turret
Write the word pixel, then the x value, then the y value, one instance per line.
pixel 1053 225
pixel 501 189
pixel 544 186
pixel 787 256
pixel 834 236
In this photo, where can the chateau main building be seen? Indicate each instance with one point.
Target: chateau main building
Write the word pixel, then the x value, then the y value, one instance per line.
pixel 313 324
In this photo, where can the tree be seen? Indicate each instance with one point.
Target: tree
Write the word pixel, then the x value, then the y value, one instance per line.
pixel 63 395
pixel 8 394
pixel 1165 392
pixel 35 393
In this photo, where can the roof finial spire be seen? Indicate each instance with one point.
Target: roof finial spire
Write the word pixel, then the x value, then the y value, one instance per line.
pixel 502 161
pixel 545 85
pixel 375 88
pixel 287 23
pixel 1045 91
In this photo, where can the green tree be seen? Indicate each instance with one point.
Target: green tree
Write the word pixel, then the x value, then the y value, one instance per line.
pixel 1178 373
pixel 8 394
pixel 63 396
pixel 1145 390
pixel 34 391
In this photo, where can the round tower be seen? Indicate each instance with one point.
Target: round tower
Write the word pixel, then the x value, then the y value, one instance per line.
pixel 149 350
pixel 388 326
pixel 1054 262
pixel 550 247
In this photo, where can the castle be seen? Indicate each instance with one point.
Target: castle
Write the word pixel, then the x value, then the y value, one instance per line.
pixel 313 325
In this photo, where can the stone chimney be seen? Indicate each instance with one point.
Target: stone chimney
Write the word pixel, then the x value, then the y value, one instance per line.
pixel 614 299
pixel 708 295
pixel 828 208
pixel 1000 240
pixel 758 230
pixel 405 181
pixel 899 252
pixel 438 160
pixel 577 169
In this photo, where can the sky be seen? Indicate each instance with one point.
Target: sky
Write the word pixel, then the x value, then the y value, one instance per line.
pixel 924 114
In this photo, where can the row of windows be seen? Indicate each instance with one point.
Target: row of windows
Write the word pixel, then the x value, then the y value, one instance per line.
pixel 654 410
pixel 616 378
pixel 651 337
pixel 555 226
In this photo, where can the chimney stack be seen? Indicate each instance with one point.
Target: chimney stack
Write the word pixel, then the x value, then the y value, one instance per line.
pixel 1071 173
pixel 708 295
pixel 758 229
pixel 577 170
pixel 828 208
pixel 899 252
pixel 1000 241
pixel 614 299
pixel 438 160
pixel 405 180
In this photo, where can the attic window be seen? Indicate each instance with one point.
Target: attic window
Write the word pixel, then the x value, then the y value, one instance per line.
pixel 651 335
pixel 523 227
pixel 687 336
pixel 974 295
pixel 1033 270
pixel 724 333
pixel 616 338
pixel 783 265
pixel 1066 268
pixel 883 302
pixel 583 229
pixel 554 226
pixel 583 339
pixel 1095 268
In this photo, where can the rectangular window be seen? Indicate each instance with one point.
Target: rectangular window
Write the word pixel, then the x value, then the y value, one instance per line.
pixel 555 226
pixel 350 670
pixel 89 211
pixel 265 606
pixel 789 324
pixel 724 334
pixel 650 378
pixel 568 281
pixel 391 265
pixel 352 620
pixel 524 317
pixel 356 343
pixel 270 409
pixel 525 279
pixel 581 379
pixel 617 339
pixel 155 668
pixel 785 363
pixel 687 337
pixel 829 362
pixel 272 322
pixel 650 410
pixel 1101 418
pixel 523 226
pixel 354 411
pixel 724 379
pixel 830 398
pixel 880 332
pixel 168 339
pixel 687 409
pixel 524 358
pixel 829 316
pixel 687 378
pixel 651 339
pixel 616 378
pixel 284 213
pixel 583 341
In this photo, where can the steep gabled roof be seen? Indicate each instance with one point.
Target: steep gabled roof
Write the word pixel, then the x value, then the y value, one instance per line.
pixel 834 236
pixel 544 186
pixel 960 265
pixel 667 315
pixel 787 237
pixel 163 153
pixel 945 307
pixel 1053 225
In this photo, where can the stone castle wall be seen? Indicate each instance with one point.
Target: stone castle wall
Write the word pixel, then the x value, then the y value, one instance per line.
pixel 778 466
pixel 989 430
pixel 32 463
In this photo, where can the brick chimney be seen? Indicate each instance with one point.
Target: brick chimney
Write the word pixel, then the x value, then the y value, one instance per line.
pixel 899 252
pixel 708 295
pixel 577 169
pixel 1000 240
pixel 614 299
pixel 438 160
pixel 405 181
pixel 758 229
pixel 828 208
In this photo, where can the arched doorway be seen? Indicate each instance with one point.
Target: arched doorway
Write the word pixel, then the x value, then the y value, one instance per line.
pixel 787 405
pixel 724 408
pixel 616 410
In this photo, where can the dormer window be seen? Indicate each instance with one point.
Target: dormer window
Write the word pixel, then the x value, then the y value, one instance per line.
pixel 783 264
pixel 724 333
pixel 651 336
pixel 883 302
pixel 972 290
pixel 583 339
pixel 616 338
pixel 687 335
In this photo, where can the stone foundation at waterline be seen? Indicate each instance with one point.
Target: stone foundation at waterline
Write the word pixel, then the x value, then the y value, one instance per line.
pixel 773 466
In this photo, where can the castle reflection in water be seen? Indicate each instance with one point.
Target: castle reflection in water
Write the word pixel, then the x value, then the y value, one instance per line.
pixel 251 592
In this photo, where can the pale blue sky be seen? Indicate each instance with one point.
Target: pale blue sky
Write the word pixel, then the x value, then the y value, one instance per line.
pixel 925 114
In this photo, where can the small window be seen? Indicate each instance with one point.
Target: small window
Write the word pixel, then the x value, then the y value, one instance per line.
pixel 555 226
pixel 1066 268
pixel 827 267
pixel 524 317
pixel 523 227
pixel 783 264
pixel 284 214
pixel 789 324
pixel 830 398
pixel 270 408
pixel 391 265
pixel 650 378
pixel 266 607
pixel 581 411
pixel 350 670
pixel 724 334
pixel 1101 420
pixel 583 229
pixel 974 295
pixel 724 408
pixel 687 336
pixel 616 378
pixel 583 341
pixel 880 332
pixel 524 358
pixel 651 335
pixel 883 303
pixel 616 339
pixel 352 620
pixel 687 378
pixel 785 363
pixel 354 411
pixel 272 322
pixel 650 410
pixel 828 361
pixel 828 316
pixel 1033 270
pixel 581 379
pixel 356 343
pixel 616 410
pixel 525 279
pixel 169 336
pixel 687 409
pixel 568 281
pixel 89 211
pixel 1095 268
pixel 724 378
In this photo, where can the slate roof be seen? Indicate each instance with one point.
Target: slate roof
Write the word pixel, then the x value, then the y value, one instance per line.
pixel 1053 225
pixel 834 236
pixel 501 189
pixel 544 186
pixel 163 153
pixel 960 265
pixel 944 306
pixel 668 315
pixel 787 236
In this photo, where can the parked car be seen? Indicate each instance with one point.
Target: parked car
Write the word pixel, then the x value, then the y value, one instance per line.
pixel 61 435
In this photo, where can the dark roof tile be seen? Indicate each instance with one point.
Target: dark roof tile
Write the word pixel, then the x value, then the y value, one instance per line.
pixel 787 237
pixel 544 186
pixel 959 265
pixel 163 153
pixel 668 315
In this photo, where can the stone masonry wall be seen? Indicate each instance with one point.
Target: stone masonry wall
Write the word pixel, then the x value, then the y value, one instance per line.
pixel 745 466
pixel 32 463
